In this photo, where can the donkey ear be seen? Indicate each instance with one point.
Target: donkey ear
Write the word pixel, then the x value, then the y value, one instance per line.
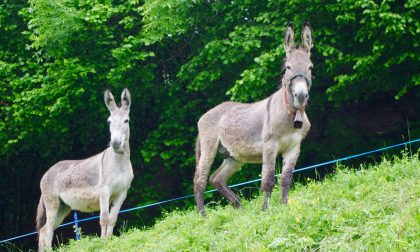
pixel 289 38
pixel 125 99
pixel 307 43
pixel 109 101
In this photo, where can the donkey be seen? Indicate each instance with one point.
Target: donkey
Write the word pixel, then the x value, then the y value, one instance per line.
pixel 91 184
pixel 258 132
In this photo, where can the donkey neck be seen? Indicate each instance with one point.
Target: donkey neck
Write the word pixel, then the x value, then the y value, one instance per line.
pixel 281 116
pixel 126 148
pixel 283 99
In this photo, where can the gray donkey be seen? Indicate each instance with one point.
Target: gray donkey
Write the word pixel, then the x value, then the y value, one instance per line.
pixel 258 132
pixel 91 184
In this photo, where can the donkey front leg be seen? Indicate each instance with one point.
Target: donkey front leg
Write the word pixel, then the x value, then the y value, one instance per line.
pixel 289 161
pixel 268 171
pixel 116 206
pixel 104 216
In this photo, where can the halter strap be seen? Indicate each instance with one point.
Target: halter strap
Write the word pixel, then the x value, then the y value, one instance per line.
pixel 291 108
pixel 300 74
pixel 298 122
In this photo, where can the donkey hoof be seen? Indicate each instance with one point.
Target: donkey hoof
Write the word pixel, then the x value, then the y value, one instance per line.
pixel 203 213
pixel 237 205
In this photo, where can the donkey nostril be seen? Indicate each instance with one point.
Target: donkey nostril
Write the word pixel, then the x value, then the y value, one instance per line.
pixel 295 94
pixel 301 97
pixel 307 95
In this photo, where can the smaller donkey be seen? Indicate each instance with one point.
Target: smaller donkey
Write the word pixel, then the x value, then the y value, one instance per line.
pixel 91 184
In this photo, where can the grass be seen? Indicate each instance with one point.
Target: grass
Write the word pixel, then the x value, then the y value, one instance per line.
pixel 374 208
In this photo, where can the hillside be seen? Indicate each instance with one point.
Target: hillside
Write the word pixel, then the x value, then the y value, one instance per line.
pixel 374 208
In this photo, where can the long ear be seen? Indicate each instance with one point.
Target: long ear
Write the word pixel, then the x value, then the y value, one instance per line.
pixel 289 38
pixel 109 101
pixel 125 99
pixel 307 43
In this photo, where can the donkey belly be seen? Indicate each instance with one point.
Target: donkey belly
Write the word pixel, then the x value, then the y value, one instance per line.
pixel 241 130
pixel 247 157
pixel 244 151
pixel 82 199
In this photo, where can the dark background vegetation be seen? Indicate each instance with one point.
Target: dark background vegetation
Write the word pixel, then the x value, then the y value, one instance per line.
pixel 179 58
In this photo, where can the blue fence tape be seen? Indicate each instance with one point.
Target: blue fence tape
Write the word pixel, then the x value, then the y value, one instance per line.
pixel 232 186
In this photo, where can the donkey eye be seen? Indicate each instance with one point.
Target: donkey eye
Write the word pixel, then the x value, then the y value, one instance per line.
pixel 288 67
pixel 126 121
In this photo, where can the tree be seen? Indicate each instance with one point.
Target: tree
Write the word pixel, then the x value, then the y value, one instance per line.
pixel 180 58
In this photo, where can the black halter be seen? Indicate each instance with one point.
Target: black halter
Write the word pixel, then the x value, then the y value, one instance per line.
pixel 298 121
pixel 300 74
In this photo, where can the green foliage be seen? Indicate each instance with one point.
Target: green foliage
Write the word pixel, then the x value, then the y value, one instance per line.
pixel 383 38
pixel 180 58
pixel 369 209
pixel 167 18
pixel 54 25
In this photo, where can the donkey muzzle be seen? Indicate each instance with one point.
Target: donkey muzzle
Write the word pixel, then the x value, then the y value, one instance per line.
pixel 116 144
pixel 301 96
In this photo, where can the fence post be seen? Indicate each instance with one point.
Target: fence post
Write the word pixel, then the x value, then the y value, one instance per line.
pixel 76 225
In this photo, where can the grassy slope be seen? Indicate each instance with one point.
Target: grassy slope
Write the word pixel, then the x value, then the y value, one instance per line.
pixel 376 208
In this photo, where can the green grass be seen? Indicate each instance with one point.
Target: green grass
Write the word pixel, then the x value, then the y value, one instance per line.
pixel 374 208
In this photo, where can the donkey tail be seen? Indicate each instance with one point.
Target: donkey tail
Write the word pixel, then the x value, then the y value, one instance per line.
pixel 197 151
pixel 41 217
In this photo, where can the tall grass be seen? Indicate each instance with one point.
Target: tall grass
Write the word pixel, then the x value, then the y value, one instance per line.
pixel 374 208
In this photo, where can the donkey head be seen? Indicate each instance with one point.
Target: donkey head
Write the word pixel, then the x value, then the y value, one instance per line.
pixel 298 65
pixel 119 119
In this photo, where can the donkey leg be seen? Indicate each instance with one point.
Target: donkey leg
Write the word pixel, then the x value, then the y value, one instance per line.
pixel 56 216
pixel 208 153
pixel 62 213
pixel 219 180
pixel 41 240
pixel 104 215
pixel 52 205
pixel 113 214
pixel 268 171
pixel 289 161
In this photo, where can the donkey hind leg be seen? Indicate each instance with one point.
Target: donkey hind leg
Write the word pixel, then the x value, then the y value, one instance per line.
pixel 220 177
pixel 52 207
pixel 208 148
pixel 289 162
pixel 63 211
pixel 113 214
pixel 61 214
